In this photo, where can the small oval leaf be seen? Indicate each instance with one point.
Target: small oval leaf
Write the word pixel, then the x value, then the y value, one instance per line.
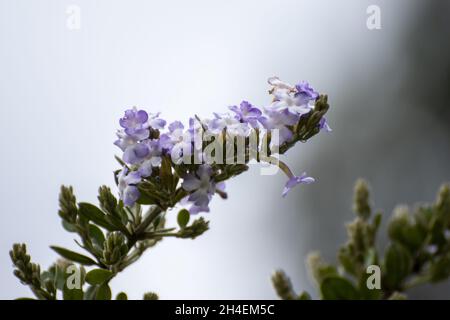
pixel 337 288
pixel 97 236
pixel 103 292
pixel 72 294
pixel 183 218
pixel 398 264
pixel 98 276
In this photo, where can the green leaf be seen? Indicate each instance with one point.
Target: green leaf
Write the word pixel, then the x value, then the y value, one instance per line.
pixel 145 199
pixel 347 261
pixel 365 292
pixel 68 226
pixel 59 277
pixel 94 214
pixel 72 294
pixel 440 269
pixel 98 276
pixel 103 292
pixel 90 293
pixel 165 173
pixel 337 288
pixel 398 264
pixel 96 235
pixel 122 296
pixel 183 218
pixel 73 256
pixel 304 296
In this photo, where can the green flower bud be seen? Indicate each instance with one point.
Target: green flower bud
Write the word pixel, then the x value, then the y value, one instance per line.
pixel 283 286
pixel 150 296
pixel 318 269
pixel 361 200
pixel 68 210
pixel 197 228
pixel 115 248
pixel 108 202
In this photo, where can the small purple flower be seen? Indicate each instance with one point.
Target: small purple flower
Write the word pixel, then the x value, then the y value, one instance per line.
pixel 232 125
pixel 191 207
pixel 135 123
pixel 155 152
pixel 136 153
pixel 124 140
pixel 285 100
pixel 323 125
pixel 156 122
pixel 280 120
pixel 176 125
pixel 247 113
pixel 177 142
pixel 200 185
pixel 305 93
pixel 128 191
pixel 152 158
pixel 194 209
pixel 130 195
pixel 295 180
pixel 277 84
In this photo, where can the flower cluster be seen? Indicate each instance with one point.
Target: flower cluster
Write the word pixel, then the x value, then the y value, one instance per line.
pixel 156 155
pixel 165 165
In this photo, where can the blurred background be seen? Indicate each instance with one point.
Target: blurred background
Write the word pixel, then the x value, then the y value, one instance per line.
pixel 62 90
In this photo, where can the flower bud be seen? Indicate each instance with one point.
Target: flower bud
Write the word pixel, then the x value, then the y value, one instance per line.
pixel 150 296
pixel 115 248
pixel 361 200
pixel 197 228
pixel 282 285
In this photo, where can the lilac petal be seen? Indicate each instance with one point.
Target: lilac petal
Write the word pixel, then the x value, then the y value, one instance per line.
pixel 133 178
pixel 288 118
pixel 266 123
pixel 141 116
pixel 155 161
pixel 145 170
pixel 175 125
pixel 295 180
pixel 190 183
pixel 323 125
pixel 165 142
pixel 138 134
pixel 216 125
pixel 133 119
pixel 197 209
pixel 200 198
pixel 305 92
pixel 135 153
pixel 254 113
pixel 249 110
pixel 124 140
pixel 204 171
pixel 285 135
pixel 157 123
pixel 130 195
pixel 220 186
pixel 235 109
